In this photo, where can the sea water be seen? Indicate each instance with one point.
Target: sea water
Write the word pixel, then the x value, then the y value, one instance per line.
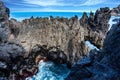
pixel 26 15
pixel 50 71
pixel 111 22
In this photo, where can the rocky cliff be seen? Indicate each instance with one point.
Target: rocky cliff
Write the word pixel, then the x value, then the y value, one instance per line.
pixel 10 51
pixel 62 40
pixel 69 35
pixel 103 64
pixel 116 11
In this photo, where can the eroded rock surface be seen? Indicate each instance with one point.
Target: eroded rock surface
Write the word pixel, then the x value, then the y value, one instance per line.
pixel 4 12
pixel 116 11
pixel 67 34
pixel 61 40
pixel 103 64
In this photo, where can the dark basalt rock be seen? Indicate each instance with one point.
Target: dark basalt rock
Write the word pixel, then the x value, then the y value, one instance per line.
pixel 53 53
pixel 102 20
pixel 96 26
pixel 116 11
pixel 10 54
pixel 4 12
pixel 103 64
pixel 4 32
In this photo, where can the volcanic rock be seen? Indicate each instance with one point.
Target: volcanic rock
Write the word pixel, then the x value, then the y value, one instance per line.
pixel 4 12
pixel 67 34
pixel 60 40
pixel 116 11
pixel 103 64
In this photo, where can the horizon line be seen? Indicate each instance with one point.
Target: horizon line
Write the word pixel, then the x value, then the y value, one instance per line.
pixel 49 11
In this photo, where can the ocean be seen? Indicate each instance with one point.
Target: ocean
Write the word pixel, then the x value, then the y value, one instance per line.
pixel 26 15
pixel 50 71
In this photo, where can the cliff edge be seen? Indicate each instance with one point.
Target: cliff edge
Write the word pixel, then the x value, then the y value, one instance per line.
pixel 103 64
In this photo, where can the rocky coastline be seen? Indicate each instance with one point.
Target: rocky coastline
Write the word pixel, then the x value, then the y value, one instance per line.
pixel 102 64
pixel 116 11
pixel 61 40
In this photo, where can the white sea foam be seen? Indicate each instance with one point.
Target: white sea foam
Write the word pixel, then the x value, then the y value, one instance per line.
pixel 111 22
pixel 91 45
pixel 50 71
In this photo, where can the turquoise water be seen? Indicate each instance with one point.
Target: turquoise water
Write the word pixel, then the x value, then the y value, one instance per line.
pixel 50 71
pixel 22 15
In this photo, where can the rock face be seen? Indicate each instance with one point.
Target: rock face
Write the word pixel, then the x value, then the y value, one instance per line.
pixel 67 34
pixel 103 64
pixel 61 40
pixel 59 32
pixel 96 26
pixel 9 51
pixel 4 12
pixel 115 11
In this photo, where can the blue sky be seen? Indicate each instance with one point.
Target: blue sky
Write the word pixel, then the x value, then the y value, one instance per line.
pixel 58 5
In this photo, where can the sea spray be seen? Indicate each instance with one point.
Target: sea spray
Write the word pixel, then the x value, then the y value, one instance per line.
pixel 50 71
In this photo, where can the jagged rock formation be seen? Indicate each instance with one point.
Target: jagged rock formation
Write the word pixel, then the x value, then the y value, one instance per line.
pixel 103 64
pixel 4 12
pixel 62 40
pixel 96 26
pixel 59 32
pixel 9 51
pixel 115 11
pixel 67 34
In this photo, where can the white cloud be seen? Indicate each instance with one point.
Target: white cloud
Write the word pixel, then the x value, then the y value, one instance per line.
pixel 45 2
pixel 48 10
pixel 93 2
pixel 65 2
